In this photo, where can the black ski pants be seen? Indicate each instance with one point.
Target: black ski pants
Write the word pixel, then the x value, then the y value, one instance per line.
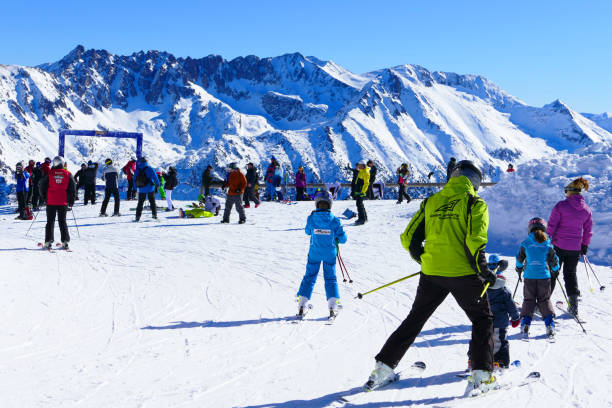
pixel 230 201
pixel 22 197
pixel 430 294
pixel 568 261
pixel 249 195
pixel 299 195
pixel 78 187
pixel 107 195
pixel 403 194
pixel 131 193
pixel 361 212
pixel 141 199
pixel 36 199
pixel 60 212
pixel 90 193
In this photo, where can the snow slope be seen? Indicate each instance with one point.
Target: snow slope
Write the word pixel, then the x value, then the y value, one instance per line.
pixel 192 313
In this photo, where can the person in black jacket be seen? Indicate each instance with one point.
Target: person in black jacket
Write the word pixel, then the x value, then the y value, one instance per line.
pixel 354 181
pixel 450 167
pixel 252 177
pixel 110 175
pixel 171 183
pixel 373 171
pixel 37 176
pixel 89 181
pixel 79 177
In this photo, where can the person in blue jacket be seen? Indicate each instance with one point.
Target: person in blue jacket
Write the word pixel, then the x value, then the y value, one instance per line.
pixel 146 183
pixel 535 260
pixel 22 179
pixel 504 311
pixel 326 233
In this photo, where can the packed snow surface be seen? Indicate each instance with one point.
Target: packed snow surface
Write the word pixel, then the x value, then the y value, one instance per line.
pixel 194 313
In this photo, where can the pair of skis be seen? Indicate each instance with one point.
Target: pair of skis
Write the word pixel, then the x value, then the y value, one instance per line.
pixel 57 246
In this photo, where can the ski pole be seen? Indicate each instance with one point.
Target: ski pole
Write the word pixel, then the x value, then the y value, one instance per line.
pixel 343 266
pixel 569 304
pixel 601 287
pixel 484 290
pixel 75 223
pixel 341 269
pixel 588 275
pixel 361 295
pixel 32 223
pixel 516 287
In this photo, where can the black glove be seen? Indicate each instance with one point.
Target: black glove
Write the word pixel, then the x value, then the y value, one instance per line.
pixel 487 276
pixel 584 249
pixel 502 266
pixel 519 271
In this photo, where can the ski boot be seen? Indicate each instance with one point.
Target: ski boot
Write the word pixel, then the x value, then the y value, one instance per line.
pixel 116 214
pixel 334 308
pixel 573 305
pixel 65 245
pixel 382 375
pixel 303 307
pixel 103 215
pixel 242 221
pixel 47 245
pixel 479 382
pixel 181 213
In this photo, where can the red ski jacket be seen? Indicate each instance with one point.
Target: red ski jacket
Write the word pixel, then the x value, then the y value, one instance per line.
pixel 60 185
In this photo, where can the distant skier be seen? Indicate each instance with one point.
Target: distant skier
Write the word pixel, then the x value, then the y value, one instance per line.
pixel 326 233
pixel 110 175
pixel 402 179
pixel 504 310
pixel 161 176
pixel 252 178
pixel 90 182
pixel 129 170
pixel 58 189
pixel 510 168
pixel 452 224
pixel 300 184
pixel 171 183
pixel 570 226
pixel 270 191
pixel 207 180
pixel 236 184
pixel 361 187
pixel 37 176
pixel 30 170
pixel 278 179
pixel 22 179
pixel 536 260
pixel 450 167
pixel 355 172
pixel 145 182
pixel 46 166
pixel 373 170
pixel 79 177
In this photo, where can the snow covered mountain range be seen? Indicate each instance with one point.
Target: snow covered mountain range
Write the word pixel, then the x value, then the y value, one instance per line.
pixel 300 109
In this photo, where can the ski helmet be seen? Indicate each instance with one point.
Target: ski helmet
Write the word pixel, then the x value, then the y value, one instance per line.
pixel 494 260
pixel 108 162
pixel 83 165
pixel 536 223
pixel 47 160
pixel 58 161
pixel 233 166
pixel 468 169
pixel 19 166
pixel 323 196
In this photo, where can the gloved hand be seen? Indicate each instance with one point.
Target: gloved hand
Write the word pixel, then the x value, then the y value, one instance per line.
pixel 488 276
pixel 516 322
pixel 519 271
pixel 584 249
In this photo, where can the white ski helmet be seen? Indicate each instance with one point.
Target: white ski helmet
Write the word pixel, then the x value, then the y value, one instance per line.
pixel 58 161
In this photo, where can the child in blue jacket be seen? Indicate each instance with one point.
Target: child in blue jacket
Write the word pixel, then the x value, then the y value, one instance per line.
pixel 326 233
pixel 535 260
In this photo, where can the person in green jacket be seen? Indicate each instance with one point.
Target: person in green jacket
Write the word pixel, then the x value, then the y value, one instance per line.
pixel 362 182
pixel 453 223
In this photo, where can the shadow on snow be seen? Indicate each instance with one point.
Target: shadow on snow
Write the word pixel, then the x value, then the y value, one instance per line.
pixel 236 323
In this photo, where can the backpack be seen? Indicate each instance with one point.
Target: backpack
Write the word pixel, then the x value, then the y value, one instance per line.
pixel 142 180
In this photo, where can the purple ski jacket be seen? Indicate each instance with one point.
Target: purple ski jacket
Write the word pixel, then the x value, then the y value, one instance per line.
pixel 300 179
pixel 570 223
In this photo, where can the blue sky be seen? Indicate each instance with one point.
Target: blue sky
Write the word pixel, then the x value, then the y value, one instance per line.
pixel 537 50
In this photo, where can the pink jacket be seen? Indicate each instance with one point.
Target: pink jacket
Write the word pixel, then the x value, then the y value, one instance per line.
pixel 570 223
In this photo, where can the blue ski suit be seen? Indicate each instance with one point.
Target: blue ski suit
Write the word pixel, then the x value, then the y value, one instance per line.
pixel 325 232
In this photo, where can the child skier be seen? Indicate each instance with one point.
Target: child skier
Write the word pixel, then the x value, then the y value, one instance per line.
pixel 326 233
pixel 536 259
pixel 502 307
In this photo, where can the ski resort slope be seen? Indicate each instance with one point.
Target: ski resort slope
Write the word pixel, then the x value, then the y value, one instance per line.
pixel 194 313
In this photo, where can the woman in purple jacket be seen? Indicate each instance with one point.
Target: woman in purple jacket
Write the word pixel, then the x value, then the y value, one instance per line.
pixel 570 226
pixel 300 184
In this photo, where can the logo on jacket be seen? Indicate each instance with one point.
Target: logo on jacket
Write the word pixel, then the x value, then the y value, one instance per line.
pixel 322 231
pixel 450 206
pixel 58 177
pixel 446 211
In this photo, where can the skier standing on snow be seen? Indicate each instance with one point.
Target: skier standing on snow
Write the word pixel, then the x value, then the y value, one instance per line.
pixel 129 170
pixel 402 179
pixel 145 182
pixel 110 175
pixel 90 182
pixel 453 223
pixel 536 260
pixel 355 172
pixel 373 170
pixel 171 183
pixel 207 180
pixel 450 167
pixel 326 233
pixel 37 175
pixel 30 170
pixel 252 178
pixel 58 189
pixel 270 192
pixel 570 226
pixel 504 311
pixel 22 178
pixel 300 184
pixel 361 187
pixel 236 183
pixel 79 177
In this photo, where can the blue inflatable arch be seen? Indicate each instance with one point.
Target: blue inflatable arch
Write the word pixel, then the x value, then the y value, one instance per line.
pixel 100 133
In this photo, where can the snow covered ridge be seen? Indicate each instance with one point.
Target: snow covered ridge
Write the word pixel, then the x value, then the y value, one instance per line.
pixel 304 111
pixel 538 185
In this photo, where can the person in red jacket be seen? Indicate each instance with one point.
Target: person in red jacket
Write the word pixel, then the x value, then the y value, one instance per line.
pixel 58 189
pixel 236 183
pixel 129 170
pixel 30 169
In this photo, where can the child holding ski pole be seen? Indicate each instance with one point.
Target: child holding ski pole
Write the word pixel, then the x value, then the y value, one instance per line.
pixel 325 232
pixel 504 310
pixel 536 260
